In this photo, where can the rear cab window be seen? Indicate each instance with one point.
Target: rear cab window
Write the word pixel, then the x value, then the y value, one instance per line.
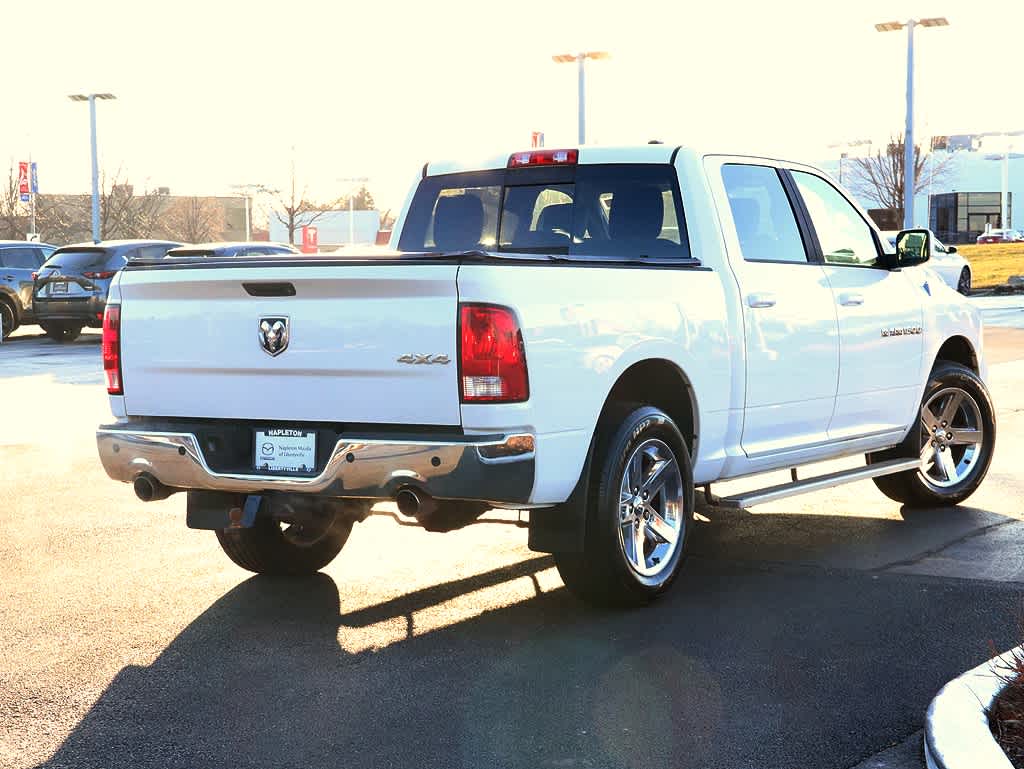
pixel 609 210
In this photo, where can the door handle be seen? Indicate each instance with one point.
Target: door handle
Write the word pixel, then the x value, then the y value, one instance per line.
pixel 851 299
pixel 761 300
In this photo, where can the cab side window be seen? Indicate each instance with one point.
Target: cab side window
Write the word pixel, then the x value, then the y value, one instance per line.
pixel 765 223
pixel 844 236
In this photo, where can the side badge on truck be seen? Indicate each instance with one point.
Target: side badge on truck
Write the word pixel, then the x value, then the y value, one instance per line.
pixel 418 359
pixel 273 335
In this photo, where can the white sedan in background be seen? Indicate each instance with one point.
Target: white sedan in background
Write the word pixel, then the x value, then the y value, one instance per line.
pixel 954 270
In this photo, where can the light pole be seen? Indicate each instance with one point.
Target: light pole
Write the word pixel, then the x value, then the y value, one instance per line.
pixel 846 145
pixel 908 136
pixel 91 98
pixel 581 59
pixel 352 204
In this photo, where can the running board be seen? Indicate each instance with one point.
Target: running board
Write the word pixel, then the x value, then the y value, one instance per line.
pixel 760 496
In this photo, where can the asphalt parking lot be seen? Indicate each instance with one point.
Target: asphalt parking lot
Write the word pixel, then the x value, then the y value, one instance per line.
pixel 805 633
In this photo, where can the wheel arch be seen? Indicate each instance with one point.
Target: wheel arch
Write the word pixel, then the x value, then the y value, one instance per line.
pixel 958 349
pixel 662 383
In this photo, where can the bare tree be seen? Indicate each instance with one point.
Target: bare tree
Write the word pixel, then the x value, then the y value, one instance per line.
pixel 123 214
pixel 12 210
pixel 294 209
pixel 194 220
pixel 879 178
pixel 63 219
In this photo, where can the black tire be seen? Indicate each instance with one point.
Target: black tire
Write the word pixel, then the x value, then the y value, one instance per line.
pixel 267 548
pixel 62 332
pixel 963 285
pixel 915 488
pixel 603 573
pixel 8 320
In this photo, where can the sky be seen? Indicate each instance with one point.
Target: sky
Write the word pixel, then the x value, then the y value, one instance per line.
pixel 216 93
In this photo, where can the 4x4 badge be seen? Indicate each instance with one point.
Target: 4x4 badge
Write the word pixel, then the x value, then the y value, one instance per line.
pixel 417 358
pixel 274 334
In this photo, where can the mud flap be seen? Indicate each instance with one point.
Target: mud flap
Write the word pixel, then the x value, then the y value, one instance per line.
pixel 563 528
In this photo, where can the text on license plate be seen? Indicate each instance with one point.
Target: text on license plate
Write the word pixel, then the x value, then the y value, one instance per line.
pixel 285 451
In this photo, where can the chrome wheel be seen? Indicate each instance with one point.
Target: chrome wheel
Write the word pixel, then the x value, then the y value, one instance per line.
pixel 952 434
pixel 651 508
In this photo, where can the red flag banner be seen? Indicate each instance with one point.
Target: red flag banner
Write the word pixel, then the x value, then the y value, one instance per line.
pixel 23 177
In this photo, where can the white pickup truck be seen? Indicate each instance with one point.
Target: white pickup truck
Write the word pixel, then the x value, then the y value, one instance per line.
pixel 585 333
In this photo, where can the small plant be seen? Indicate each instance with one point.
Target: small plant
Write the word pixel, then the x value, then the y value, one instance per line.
pixel 1006 715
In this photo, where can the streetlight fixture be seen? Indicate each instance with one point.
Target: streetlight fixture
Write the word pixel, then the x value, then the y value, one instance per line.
pixel 581 59
pixel 847 145
pixel 91 98
pixel 908 135
pixel 351 205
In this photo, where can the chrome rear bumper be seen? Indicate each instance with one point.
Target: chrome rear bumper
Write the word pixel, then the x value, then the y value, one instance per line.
pixel 496 469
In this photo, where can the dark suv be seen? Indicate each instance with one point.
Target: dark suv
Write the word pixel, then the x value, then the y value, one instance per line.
pixel 19 259
pixel 71 287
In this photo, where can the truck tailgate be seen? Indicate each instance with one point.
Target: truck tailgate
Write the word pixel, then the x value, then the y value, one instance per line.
pixel 192 343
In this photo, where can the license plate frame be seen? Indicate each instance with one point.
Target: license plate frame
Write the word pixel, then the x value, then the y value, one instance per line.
pixel 59 287
pixel 284 451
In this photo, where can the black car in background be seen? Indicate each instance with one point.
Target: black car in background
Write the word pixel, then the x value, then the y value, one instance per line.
pixel 71 287
pixel 19 260
pixel 233 249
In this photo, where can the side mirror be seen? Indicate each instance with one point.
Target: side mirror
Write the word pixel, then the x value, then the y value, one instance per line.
pixel 950 249
pixel 913 247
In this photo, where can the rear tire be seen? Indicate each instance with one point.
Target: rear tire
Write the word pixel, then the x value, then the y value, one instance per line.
pixel 62 332
pixel 635 546
pixel 267 548
pixel 8 320
pixel 956 403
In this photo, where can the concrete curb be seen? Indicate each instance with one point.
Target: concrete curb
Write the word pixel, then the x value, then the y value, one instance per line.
pixel 956 733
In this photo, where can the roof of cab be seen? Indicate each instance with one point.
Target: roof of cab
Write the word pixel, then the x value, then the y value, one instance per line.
pixel 588 155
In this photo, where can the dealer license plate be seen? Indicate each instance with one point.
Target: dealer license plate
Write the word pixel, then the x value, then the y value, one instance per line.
pixel 58 288
pixel 285 451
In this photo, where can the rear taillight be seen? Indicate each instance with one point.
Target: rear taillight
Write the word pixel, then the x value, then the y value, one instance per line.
pixel 492 358
pixel 112 349
pixel 99 275
pixel 35 275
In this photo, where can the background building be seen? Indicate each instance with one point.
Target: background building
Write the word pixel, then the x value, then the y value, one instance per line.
pixel 966 198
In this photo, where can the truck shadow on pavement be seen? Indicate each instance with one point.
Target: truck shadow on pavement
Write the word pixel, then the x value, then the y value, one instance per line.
pixel 740 665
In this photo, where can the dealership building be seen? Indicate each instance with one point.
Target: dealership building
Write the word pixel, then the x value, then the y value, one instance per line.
pixel 966 198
